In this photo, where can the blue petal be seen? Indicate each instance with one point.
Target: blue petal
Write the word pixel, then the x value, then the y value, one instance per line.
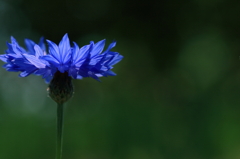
pixel 46 73
pixel 95 60
pixel 24 74
pixel 97 48
pixel 27 72
pixel 75 53
pixel 54 51
pixel 73 72
pixel 30 46
pixel 35 61
pixel 79 55
pixel 38 51
pixel 79 77
pixel 16 46
pixel 109 73
pixel 3 58
pixel 65 49
pixel 10 67
pixel 115 60
pixel 62 68
pixel 48 79
pixel 42 44
pixel 51 60
pixel 92 74
pixel 21 62
pixel 113 44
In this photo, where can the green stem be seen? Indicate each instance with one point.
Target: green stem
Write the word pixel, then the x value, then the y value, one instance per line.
pixel 59 130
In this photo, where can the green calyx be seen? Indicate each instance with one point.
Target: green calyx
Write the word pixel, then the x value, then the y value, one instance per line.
pixel 60 88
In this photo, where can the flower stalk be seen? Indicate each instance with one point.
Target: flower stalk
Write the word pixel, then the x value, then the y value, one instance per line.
pixel 60 90
pixel 59 131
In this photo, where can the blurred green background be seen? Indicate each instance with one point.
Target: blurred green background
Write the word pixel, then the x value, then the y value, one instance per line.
pixel 176 95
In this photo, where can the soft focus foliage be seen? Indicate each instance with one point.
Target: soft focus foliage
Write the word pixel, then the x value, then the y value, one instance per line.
pixel 176 95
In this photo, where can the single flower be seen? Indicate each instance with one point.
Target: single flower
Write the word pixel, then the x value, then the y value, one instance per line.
pixel 59 66
pixel 74 61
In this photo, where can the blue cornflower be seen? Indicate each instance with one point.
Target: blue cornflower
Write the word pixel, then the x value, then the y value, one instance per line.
pixel 59 66
pixel 73 61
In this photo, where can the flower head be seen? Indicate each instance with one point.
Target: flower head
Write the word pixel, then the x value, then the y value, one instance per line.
pixel 77 62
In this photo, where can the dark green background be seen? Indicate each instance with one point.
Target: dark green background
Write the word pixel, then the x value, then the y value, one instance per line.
pixel 176 95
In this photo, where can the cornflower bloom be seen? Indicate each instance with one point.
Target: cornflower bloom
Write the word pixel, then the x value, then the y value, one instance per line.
pixel 59 66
